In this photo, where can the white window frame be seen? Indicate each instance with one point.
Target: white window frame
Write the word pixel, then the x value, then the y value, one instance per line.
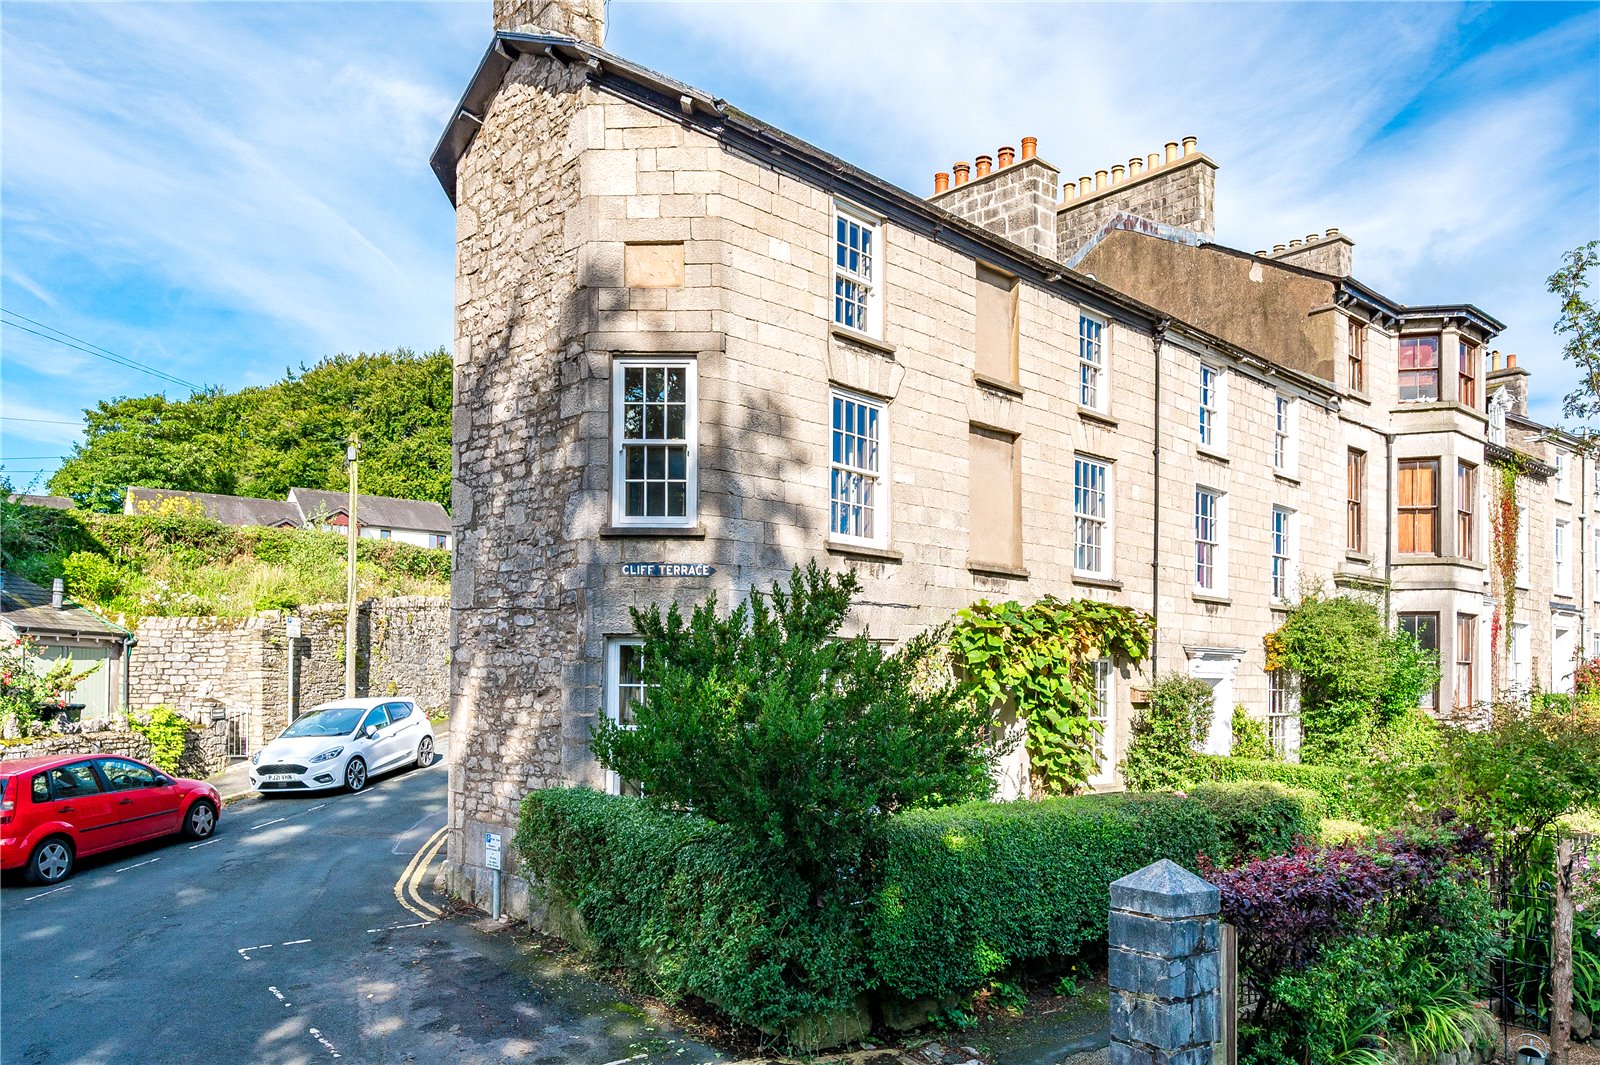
pixel 880 477
pixel 619 445
pixel 1093 378
pixel 1560 552
pixel 1519 657
pixel 871 280
pixel 1105 519
pixel 1211 410
pixel 1104 747
pixel 1285 434
pixel 1219 544
pixel 1283 714
pixel 613 694
pixel 1563 477
pixel 1283 555
pixel 1594 564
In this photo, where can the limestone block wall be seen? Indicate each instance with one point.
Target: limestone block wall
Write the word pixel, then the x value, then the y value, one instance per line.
pixel 111 741
pixel 1018 202
pixel 1181 193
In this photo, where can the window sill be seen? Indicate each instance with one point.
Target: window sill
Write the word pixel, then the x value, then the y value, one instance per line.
pixel 1092 415
pixel 1094 580
pixel 1438 560
pixel 863 551
pixel 994 384
pixel 842 333
pixel 995 569
pixel 1286 477
pixel 1212 454
pixel 1358 558
pixel 653 532
pixel 1211 598
pixel 1359 397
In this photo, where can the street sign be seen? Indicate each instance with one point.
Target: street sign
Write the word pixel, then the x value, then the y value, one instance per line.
pixel 668 569
pixel 491 849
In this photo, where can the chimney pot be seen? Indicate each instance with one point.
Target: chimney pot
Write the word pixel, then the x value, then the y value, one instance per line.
pixel 1007 156
pixel 58 592
pixel 1085 185
pixel 1172 151
pixel 1312 238
pixel 1295 243
pixel 1030 147
pixel 1262 252
pixel 1135 167
pixel 985 164
pixel 1278 249
pixel 1333 231
pixel 941 183
pixel 1119 174
pixel 1190 145
pixel 1069 191
pixel 1154 162
pixel 1099 179
pixel 963 171
pixel 1511 360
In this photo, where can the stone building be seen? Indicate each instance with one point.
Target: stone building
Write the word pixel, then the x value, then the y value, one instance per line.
pixel 693 351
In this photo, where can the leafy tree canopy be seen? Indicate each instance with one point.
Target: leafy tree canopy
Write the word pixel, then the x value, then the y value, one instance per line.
pixel 263 441
pixel 1580 324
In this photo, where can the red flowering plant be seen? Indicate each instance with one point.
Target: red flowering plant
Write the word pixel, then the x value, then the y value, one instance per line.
pixel 1586 677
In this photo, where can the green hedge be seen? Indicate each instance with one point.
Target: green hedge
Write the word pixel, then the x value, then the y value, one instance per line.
pixel 1335 786
pixel 1261 817
pixel 691 908
pixel 966 890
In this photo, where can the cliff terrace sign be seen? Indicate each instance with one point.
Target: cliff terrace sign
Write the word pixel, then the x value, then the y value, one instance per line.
pixel 667 569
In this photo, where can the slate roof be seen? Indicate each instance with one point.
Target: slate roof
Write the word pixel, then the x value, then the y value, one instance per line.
pixel 50 502
pixel 230 510
pixel 384 512
pixel 26 607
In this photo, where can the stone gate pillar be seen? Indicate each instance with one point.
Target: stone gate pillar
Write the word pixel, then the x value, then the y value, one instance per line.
pixel 1164 967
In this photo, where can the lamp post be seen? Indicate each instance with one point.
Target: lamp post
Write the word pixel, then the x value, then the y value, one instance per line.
pixel 353 531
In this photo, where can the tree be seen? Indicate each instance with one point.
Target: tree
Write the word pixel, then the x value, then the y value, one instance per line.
pixel 766 718
pixel 1580 323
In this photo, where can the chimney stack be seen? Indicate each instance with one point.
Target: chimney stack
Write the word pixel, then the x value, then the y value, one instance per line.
pixel 941 182
pixel 582 20
pixel 1015 200
pixel 58 593
pixel 1330 252
pixel 1030 148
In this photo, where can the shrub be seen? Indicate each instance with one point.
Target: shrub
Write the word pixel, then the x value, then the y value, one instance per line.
pixel 94 577
pixel 692 907
pixel 28 693
pixel 1336 787
pixel 765 720
pixel 1332 831
pixel 1250 737
pixel 966 890
pixel 1166 733
pixel 1355 674
pixel 166 729
pixel 1258 818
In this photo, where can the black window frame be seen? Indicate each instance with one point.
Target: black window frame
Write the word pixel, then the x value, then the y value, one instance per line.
pixel 157 778
pixel 407 707
pixel 366 719
pixel 94 772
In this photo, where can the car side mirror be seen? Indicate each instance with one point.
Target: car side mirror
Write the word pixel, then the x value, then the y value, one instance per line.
pixel 161 782
pixel 371 732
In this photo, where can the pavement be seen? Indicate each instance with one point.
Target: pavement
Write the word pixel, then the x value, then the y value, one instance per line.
pixel 304 931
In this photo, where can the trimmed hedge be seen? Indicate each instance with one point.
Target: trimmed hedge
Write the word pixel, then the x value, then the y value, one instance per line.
pixel 1334 785
pixel 966 890
pixel 1260 817
pixel 691 907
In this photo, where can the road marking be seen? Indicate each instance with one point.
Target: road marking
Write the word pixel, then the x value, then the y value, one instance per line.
pixel 42 894
pixel 264 824
pixel 406 888
pixel 278 995
pixel 319 806
pixel 207 843
pixel 395 927
pixel 329 1047
pixel 136 865
pixel 624 1061
pixel 295 942
pixel 244 951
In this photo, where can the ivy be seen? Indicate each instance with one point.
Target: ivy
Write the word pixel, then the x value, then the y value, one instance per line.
pixel 1505 561
pixel 1038 657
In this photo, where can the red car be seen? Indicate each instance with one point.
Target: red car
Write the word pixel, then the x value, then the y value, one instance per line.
pixel 54 809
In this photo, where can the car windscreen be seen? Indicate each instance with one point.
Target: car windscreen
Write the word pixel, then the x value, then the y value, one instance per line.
pixel 334 721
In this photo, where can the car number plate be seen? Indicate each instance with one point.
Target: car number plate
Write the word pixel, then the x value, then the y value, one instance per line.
pixel 279 778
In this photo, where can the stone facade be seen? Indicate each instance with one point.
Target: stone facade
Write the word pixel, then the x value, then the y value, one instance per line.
pixel 105 741
pixel 205 667
pixel 1179 191
pixel 1018 202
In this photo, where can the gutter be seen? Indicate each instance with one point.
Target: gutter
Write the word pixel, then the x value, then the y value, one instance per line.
pixel 1159 346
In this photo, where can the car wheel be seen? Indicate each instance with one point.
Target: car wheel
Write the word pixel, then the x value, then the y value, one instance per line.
pixel 425 752
pixel 355 774
pixel 52 861
pixel 200 821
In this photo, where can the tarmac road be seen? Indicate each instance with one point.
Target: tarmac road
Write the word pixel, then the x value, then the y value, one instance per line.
pixel 303 932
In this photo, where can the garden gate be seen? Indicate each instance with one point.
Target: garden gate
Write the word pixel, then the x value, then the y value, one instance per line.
pixel 238 733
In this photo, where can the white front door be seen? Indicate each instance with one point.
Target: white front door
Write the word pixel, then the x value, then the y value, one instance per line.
pixel 1563 650
pixel 1217 668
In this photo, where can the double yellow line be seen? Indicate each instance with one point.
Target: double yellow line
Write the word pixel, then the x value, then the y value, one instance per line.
pixel 408 889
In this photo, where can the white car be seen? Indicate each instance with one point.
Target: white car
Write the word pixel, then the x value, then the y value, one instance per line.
pixel 344 744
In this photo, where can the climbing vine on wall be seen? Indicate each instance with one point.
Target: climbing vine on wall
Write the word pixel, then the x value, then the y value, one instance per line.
pixel 1505 562
pixel 1038 657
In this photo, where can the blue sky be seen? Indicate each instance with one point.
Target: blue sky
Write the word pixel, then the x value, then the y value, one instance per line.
pixel 225 190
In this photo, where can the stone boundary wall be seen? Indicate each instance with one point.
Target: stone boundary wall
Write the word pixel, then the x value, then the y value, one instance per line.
pixel 122 742
pixel 204 667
